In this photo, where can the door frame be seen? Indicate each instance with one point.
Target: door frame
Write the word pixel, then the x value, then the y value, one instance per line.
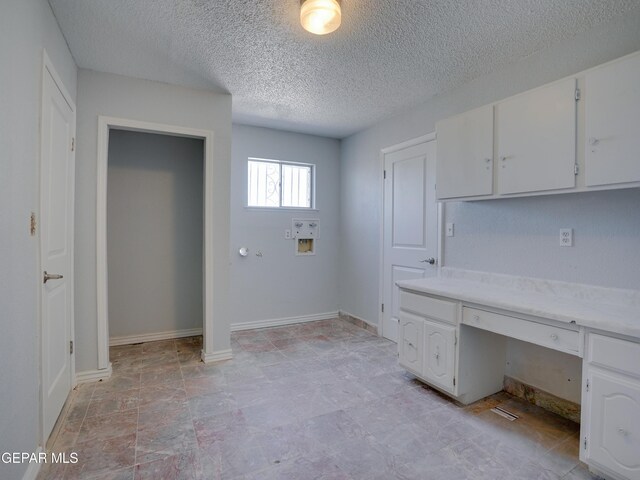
pixel 106 123
pixel 429 137
pixel 49 69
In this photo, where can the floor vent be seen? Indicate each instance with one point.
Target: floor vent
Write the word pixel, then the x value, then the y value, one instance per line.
pixel 504 413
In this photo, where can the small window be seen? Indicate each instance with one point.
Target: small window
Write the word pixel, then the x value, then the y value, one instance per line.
pixel 276 184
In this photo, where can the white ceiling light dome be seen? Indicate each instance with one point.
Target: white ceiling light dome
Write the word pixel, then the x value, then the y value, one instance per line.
pixel 320 16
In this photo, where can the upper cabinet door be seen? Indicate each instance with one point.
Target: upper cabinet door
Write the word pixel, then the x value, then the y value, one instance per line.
pixel 612 150
pixel 536 138
pixel 465 155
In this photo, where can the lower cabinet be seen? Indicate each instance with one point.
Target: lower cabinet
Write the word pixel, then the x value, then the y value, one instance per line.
pixel 410 342
pixel 427 346
pixel 460 361
pixel 611 408
pixel 438 364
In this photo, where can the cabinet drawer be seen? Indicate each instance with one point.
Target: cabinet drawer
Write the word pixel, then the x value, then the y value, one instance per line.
pixel 429 307
pixel 610 352
pixel 527 330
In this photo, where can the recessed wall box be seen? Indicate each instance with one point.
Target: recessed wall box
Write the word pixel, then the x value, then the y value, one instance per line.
pixel 305 246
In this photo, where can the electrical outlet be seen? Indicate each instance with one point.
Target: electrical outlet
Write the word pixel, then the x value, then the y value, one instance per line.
pixel 287 234
pixel 450 229
pixel 566 237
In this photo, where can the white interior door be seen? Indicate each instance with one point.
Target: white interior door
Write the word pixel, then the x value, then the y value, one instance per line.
pixel 56 237
pixel 410 224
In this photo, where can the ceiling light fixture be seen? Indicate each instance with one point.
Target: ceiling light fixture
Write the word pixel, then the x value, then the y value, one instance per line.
pixel 320 16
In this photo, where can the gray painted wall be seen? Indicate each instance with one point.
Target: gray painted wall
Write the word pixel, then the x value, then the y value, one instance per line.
pixel 279 284
pixel 520 237
pixel 124 97
pixel 606 223
pixel 26 27
pixel 154 233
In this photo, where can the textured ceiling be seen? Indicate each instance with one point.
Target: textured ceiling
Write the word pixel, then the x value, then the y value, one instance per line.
pixel 387 55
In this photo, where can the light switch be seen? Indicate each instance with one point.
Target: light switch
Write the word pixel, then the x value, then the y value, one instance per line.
pixel 450 229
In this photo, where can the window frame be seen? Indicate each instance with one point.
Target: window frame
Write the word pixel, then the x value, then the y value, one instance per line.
pixel 312 186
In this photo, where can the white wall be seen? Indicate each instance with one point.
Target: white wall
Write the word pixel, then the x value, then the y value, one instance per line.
pixel 485 227
pixel 117 96
pixel 279 284
pixel 154 236
pixel 520 237
pixel 26 27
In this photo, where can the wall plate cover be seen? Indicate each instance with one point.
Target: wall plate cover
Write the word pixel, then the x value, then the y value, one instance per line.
pixel 566 237
pixel 450 230
pixel 305 228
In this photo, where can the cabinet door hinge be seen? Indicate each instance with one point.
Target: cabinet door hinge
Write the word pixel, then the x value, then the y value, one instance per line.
pixel 455 339
pixel 384 174
pixel 575 169
pixel 587 384
pixel 454 381
pixel 71 347
pixel 73 144
pixel 585 443
pixel 577 97
pixel 382 308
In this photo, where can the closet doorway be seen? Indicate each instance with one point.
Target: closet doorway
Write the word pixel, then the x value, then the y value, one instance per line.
pixel 153 248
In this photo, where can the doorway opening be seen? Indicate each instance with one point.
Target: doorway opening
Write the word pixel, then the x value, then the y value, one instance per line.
pixel 150 245
pixel 154 236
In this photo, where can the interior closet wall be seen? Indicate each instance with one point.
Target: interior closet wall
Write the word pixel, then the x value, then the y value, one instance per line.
pixel 154 233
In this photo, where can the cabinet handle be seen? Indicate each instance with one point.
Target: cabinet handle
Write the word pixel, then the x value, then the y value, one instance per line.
pixel 476 318
pixel 504 159
pixel 50 276
pixel 487 160
pixel 554 337
pixel 593 141
pixel 623 432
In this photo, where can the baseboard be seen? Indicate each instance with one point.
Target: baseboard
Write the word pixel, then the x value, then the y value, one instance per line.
pixel 278 322
pixel 152 337
pixel 34 468
pixel 218 356
pixel 565 408
pixel 93 375
pixel 358 322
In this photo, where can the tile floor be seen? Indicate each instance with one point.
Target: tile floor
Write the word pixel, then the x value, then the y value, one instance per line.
pixel 322 400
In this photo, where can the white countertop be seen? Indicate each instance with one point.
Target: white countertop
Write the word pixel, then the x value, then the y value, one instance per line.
pixel 612 310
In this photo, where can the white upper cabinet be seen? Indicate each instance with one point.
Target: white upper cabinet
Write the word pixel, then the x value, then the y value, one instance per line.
pixel 465 155
pixel 536 140
pixel 527 144
pixel 612 118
